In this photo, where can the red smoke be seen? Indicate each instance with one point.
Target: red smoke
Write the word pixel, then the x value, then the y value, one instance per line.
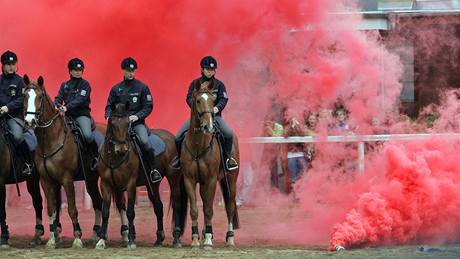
pixel 417 201
pixel 296 51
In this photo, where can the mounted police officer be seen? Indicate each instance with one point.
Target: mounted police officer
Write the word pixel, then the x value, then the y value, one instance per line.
pixel 74 99
pixel 140 106
pixel 12 103
pixel 208 70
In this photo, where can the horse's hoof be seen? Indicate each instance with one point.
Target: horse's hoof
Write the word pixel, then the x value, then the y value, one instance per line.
pixel 131 245
pixel 36 240
pixel 158 243
pixel 339 248
pixel 51 244
pixel 177 244
pixel 124 236
pixel 77 243
pixel 100 244
pixel 230 242
pixel 207 247
pixel 4 246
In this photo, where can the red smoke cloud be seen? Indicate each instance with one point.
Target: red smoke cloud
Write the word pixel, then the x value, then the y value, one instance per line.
pixel 296 51
pixel 417 201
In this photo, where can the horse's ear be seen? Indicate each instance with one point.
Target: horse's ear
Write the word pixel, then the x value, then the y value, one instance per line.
pixel 197 85
pixel 26 79
pixel 40 81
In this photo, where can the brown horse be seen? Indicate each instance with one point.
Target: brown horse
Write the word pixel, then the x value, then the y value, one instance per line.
pixel 201 162
pixel 33 187
pixel 57 158
pixel 119 167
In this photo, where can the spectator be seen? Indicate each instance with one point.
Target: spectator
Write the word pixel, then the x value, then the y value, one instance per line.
pixel 311 124
pixel 296 157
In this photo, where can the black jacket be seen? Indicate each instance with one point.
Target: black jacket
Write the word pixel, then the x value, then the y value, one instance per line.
pixel 218 91
pixel 136 93
pixel 12 94
pixel 75 94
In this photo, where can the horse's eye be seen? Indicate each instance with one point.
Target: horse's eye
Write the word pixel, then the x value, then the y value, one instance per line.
pixel 198 102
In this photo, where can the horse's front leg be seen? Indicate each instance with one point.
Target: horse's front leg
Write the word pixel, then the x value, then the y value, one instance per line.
pixel 96 199
pixel 106 195
pixel 131 189
pixel 207 193
pixel 158 208
pixel 33 187
pixel 50 194
pixel 120 201
pixel 5 234
pixel 190 185
pixel 72 210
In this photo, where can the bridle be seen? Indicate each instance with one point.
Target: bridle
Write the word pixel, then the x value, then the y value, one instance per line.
pixel 38 114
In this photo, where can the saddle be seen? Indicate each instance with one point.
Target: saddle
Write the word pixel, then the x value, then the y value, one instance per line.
pixel 82 145
pixel 31 141
pixel 157 143
pixel 159 147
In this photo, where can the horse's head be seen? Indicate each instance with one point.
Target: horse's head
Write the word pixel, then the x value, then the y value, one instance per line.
pixel 34 95
pixel 203 106
pixel 119 127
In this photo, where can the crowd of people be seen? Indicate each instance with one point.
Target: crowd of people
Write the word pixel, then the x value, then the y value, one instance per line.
pixel 290 162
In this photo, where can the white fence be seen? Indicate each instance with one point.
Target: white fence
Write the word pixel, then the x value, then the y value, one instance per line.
pixel 360 139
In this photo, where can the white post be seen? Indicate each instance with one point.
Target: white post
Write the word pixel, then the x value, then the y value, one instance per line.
pixel 361 156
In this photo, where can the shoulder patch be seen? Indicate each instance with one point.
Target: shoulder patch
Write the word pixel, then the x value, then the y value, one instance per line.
pixel 149 98
pixel 83 93
pixel 225 95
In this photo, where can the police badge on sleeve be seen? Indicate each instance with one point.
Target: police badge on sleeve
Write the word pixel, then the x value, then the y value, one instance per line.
pixel 83 93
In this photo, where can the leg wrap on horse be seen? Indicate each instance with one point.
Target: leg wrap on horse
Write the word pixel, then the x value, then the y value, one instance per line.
pixel 5 235
pixel 123 229
pixel 39 229
pixel 208 229
pixel 194 230
pixel 76 227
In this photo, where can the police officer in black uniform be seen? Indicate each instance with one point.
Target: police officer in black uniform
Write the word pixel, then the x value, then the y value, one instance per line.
pixel 140 106
pixel 208 70
pixel 74 99
pixel 12 103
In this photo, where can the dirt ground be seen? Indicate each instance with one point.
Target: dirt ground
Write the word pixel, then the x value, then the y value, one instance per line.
pixel 249 245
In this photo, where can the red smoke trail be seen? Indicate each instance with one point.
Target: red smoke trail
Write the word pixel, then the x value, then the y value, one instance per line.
pixel 416 202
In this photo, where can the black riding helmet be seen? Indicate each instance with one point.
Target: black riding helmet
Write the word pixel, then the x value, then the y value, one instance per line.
pixel 76 64
pixel 129 64
pixel 8 58
pixel 208 62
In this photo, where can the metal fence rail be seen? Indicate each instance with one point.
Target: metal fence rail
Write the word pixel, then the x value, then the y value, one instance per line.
pixel 360 139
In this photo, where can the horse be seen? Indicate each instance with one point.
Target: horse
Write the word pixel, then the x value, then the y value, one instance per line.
pixel 57 159
pixel 201 161
pixel 10 164
pixel 120 166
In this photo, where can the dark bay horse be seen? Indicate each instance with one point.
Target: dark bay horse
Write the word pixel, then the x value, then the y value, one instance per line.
pixel 119 167
pixel 33 187
pixel 57 158
pixel 201 163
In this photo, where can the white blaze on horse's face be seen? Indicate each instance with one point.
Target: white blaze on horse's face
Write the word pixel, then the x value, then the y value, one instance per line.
pixel 210 127
pixel 31 109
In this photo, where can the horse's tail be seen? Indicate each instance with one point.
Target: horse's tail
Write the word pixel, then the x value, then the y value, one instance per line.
pixel 179 212
pixel 229 200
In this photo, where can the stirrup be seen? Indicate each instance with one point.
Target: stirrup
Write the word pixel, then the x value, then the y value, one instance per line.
pixel 175 163
pixel 155 172
pixel 231 164
pixel 27 170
